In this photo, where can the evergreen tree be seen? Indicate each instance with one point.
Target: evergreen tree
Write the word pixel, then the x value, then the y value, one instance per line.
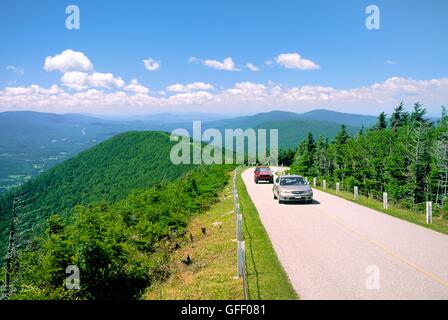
pixel 408 159
pixel 398 117
pixel 305 157
pixel 381 123
pixel 337 150
pixel 440 165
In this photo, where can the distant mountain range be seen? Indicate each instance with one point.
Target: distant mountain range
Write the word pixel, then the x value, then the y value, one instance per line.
pixel 32 142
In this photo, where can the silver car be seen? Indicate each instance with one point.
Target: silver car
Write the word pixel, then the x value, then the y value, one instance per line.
pixel 292 188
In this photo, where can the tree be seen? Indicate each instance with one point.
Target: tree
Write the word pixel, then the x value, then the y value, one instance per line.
pixel 381 123
pixel 322 159
pixel 440 154
pixel 285 157
pixel 398 117
pixel 337 150
pixel 305 158
pixel 419 147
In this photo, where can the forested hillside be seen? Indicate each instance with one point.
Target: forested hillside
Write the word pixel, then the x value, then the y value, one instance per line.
pixel 405 155
pixel 106 172
pixel 120 248
pixel 291 131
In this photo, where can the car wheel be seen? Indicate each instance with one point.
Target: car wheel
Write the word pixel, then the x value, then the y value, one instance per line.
pixel 256 181
pixel 275 197
pixel 271 181
pixel 280 201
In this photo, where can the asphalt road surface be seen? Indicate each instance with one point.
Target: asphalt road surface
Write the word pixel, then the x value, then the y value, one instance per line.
pixel 336 249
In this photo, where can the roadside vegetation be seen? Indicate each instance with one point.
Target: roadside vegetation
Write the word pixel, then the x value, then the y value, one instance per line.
pixel 405 155
pixel 211 272
pixel 107 172
pixel 120 248
pixel 266 279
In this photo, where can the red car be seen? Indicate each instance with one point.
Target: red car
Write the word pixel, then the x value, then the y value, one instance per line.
pixel 263 174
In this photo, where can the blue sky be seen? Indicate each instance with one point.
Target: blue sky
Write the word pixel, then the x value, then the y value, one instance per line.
pixel 116 36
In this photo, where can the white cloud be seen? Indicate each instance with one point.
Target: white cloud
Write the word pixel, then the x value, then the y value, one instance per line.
pixel 75 80
pixel 252 97
pixel 105 80
pixel 136 87
pixel 80 80
pixel 252 67
pixel 16 70
pixel 227 64
pixel 189 87
pixel 295 61
pixel 151 64
pixel 390 62
pixel 67 61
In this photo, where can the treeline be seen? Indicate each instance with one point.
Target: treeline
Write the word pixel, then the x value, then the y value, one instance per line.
pixel 120 248
pixel 405 155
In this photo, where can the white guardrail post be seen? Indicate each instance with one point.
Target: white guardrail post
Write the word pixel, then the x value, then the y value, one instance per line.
pixel 355 193
pixel 428 212
pixel 324 184
pixel 314 181
pixel 385 204
pixel 337 187
pixel 241 255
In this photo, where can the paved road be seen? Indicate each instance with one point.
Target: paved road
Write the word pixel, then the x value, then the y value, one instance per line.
pixel 336 249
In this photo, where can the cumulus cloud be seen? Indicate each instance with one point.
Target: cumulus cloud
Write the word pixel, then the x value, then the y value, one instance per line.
pixel 295 61
pixel 252 67
pixel 75 80
pixel 136 87
pixel 189 87
pixel 80 80
pixel 151 64
pixel 105 80
pixel 68 61
pixel 227 64
pixel 253 97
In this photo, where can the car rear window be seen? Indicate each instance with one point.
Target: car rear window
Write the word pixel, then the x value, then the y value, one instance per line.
pixel 265 169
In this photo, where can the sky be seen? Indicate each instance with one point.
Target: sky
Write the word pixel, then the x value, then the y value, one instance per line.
pixel 231 57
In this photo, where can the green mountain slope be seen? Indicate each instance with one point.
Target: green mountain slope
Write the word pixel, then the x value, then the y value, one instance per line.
pixel 32 142
pixel 106 172
pixel 349 119
pixel 292 132
pixel 252 121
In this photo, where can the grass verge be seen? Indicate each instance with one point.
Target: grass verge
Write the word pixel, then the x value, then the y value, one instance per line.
pixel 211 274
pixel 438 223
pixel 266 278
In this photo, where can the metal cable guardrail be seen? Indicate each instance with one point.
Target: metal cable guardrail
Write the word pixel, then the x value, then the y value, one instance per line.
pixel 241 248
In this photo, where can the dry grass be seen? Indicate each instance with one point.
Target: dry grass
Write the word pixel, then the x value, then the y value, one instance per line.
pixel 211 274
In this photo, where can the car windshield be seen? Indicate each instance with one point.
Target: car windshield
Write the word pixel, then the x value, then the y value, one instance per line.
pixel 264 169
pixel 293 181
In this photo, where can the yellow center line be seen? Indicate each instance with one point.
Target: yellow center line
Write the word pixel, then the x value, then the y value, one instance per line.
pixel 389 251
